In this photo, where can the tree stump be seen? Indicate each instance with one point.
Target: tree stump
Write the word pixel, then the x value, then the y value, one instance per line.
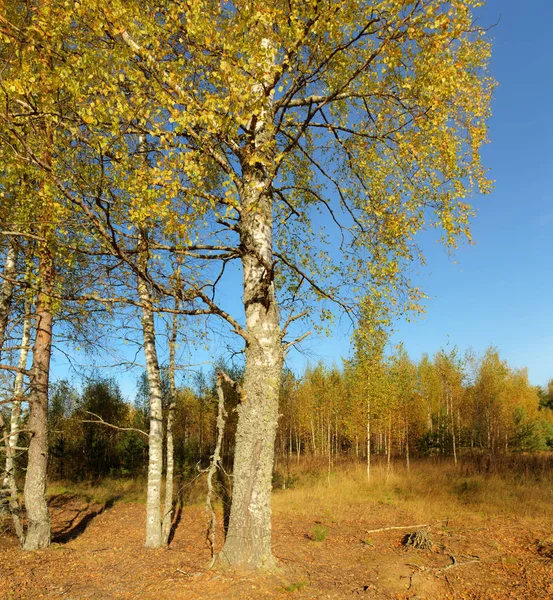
pixel 419 539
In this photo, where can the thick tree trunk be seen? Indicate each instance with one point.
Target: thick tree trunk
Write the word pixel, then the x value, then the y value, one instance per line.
pixel 38 531
pixel 155 443
pixel 248 540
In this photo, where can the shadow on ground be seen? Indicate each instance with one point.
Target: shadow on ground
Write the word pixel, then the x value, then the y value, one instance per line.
pixel 80 515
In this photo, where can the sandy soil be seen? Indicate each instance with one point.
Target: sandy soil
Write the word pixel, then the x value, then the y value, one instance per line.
pixel 98 554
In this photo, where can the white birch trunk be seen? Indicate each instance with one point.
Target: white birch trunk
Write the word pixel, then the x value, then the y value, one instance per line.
pixel 248 542
pixel 155 443
pixel 6 291
pixel 15 417
pixel 15 424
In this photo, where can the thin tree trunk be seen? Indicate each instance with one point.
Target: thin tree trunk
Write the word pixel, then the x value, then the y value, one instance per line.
pixel 155 443
pixel 389 450
pixel 38 531
pixel 15 423
pixel 313 438
pixel 18 394
pixel 170 459
pixel 329 444
pixel 6 291
pixel 368 437
pixel 214 465
pixel 453 434
pixel 407 461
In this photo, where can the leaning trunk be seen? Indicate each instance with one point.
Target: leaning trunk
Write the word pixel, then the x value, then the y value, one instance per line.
pixel 155 443
pixel 38 532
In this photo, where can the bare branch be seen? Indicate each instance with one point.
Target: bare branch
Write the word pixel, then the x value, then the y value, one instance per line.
pixel 101 421
pixel 296 341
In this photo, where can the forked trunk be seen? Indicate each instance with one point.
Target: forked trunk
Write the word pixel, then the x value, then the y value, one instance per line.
pixel 38 531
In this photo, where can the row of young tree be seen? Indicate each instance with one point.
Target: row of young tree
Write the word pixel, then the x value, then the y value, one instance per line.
pixel 251 163
pixel 445 405
pixel 442 406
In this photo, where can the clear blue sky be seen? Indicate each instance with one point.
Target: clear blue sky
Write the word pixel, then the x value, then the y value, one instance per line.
pixel 501 291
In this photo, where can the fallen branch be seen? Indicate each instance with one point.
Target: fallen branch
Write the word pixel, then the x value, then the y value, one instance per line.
pixel 397 527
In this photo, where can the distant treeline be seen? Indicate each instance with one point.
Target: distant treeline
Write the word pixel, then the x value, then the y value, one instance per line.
pixel 444 405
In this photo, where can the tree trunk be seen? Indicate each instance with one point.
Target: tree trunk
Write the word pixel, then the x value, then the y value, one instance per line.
pixel 368 437
pixel 6 291
pixel 169 474
pixel 15 423
pixel 389 450
pixel 248 542
pixel 313 438
pixel 155 442
pixel 38 531
pixel 407 458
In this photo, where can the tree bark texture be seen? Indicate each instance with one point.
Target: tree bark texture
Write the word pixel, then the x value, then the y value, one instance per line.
pixel 6 291
pixel 154 537
pixel 38 530
pixel 248 541
pixel 169 473
pixel 15 416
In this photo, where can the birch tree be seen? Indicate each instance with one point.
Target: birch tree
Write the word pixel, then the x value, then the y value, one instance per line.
pixel 309 142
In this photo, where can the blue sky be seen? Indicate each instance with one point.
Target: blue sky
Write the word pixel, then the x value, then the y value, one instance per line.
pixel 500 292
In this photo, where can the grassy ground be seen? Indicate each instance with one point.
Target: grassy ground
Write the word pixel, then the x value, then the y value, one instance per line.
pixel 489 521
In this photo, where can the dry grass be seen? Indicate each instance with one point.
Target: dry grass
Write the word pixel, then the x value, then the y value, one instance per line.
pixel 436 489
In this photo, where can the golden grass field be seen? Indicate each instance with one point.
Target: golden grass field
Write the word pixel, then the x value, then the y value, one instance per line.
pixel 490 523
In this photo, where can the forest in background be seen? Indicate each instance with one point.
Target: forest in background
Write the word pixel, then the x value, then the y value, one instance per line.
pixel 447 405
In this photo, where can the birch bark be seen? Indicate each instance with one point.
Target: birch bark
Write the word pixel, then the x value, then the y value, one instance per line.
pixel 155 444
pixel 6 291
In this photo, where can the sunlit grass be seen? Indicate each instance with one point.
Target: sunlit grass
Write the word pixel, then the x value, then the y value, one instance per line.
pixel 430 489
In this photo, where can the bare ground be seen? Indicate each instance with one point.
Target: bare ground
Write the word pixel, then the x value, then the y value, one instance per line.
pixel 99 554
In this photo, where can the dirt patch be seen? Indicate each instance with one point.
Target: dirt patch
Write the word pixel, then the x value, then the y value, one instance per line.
pixel 99 554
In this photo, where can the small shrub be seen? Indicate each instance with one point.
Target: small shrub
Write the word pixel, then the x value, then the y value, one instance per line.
pixel 319 533
pixel 296 587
